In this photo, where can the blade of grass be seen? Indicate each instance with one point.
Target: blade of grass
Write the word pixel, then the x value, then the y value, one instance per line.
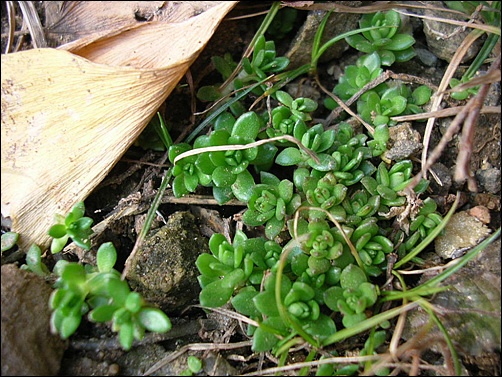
pixel 221 109
pixel 367 324
pixel 148 222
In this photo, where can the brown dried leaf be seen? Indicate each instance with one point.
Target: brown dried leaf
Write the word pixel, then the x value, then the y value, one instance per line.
pixel 67 120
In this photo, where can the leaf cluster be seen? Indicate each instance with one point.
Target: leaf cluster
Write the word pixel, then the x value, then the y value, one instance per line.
pixel 75 226
pixel 264 61
pixel 96 291
pixel 345 186
pixel 334 179
pixel 490 12
pixel 386 40
pixel 99 292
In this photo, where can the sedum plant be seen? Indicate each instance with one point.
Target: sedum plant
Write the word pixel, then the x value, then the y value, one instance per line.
pixel 99 292
pixel 263 62
pixel 354 295
pixel 96 291
pixel 226 169
pixel 378 106
pixel 355 77
pixel 387 40
pixel 340 207
pixel 270 204
pixel 75 226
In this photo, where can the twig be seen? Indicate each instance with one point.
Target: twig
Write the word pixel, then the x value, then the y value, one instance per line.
pixel 9 5
pixel 373 84
pixel 238 147
pixel 455 61
pixel 200 200
pixel 462 170
pixel 444 113
pixel 30 16
pixel 196 347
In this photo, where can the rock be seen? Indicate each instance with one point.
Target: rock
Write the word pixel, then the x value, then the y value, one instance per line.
pixel 444 176
pixel 300 50
pixel 489 180
pixel 28 347
pixel 469 309
pixel 462 232
pixel 444 39
pixel 164 269
pixel 404 141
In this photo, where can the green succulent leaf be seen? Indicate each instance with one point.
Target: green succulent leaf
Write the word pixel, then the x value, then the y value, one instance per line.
pixel 243 302
pixel 289 156
pixel 57 231
pixel 34 261
pixel 247 126
pixel 126 335
pixel 68 325
pixel 273 227
pixel 223 176
pixel 266 304
pixel 215 294
pixel 400 42
pixel 9 239
pixel 352 277
pixel 103 313
pixel 106 257
pixel 154 320
pixel 421 95
pixel 284 98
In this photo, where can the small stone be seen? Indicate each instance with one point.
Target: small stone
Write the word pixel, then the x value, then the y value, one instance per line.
pixel 404 142
pixel 481 213
pixel 28 347
pixel 462 232
pixel 489 179
pixel 164 269
pixel 426 57
pixel 470 308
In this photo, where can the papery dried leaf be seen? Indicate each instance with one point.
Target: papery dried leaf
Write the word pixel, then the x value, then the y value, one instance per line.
pixel 66 120
pixel 71 20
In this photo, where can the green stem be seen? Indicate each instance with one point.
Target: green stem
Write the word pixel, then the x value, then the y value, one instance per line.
pixel 148 222
pixel 332 41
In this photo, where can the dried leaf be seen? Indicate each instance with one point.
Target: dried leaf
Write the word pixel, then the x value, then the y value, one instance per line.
pixel 67 120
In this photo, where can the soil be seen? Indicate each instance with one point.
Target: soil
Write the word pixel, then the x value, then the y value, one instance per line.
pixel 215 337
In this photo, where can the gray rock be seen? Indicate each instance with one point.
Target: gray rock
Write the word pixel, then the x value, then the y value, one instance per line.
pixel 164 269
pixel 489 179
pixel 444 39
pixel 404 142
pixel 28 347
pixel 469 309
pixel 300 50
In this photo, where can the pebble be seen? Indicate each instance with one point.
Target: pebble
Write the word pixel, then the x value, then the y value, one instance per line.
pixel 462 232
